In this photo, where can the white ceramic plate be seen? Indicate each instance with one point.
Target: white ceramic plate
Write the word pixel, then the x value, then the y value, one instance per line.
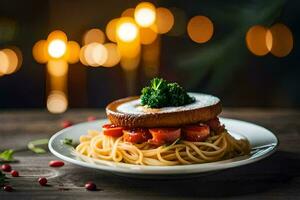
pixel 263 143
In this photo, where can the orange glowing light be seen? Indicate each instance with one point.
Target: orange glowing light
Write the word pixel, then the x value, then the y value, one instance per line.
pixel 39 51
pixel 126 30
pixel 111 30
pixel 93 35
pixel 72 53
pixel 129 12
pixel 82 56
pixel 57 102
pixel 113 55
pixel 57 48
pixel 57 35
pixel 147 35
pixel 256 40
pixel 282 40
pixel 9 61
pixel 95 54
pixel 57 67
pixel 145 14
pixel 200 29
pixel 164 20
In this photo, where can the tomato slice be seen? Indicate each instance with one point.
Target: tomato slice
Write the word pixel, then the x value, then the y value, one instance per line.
pixel 162 136
pixel 136 135
pixel 196 133
pixel 215 125
pixel 112 130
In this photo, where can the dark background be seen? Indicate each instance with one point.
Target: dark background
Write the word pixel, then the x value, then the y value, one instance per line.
pixel 223 66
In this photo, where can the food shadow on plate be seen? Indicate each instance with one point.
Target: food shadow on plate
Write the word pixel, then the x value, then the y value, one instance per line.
pixel 264 175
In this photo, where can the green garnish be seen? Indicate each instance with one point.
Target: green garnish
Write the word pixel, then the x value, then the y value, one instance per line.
pixel 160 94
pixel 67 141
pixel 7 155
pixel 35 145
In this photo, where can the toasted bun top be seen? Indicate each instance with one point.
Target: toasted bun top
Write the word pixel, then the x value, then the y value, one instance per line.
pixel 129 112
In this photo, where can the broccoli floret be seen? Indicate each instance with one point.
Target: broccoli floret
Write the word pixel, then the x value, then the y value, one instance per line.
pixel 178 96
pixel 162 94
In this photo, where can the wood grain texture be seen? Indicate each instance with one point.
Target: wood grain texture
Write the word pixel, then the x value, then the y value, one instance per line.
pixel 277 177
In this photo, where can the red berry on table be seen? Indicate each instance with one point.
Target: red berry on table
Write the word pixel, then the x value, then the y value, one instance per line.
pixel 90 186
pixel 8 188
pixel 66 123
pixel 91 118
pixel 14 173
pixel 56 163
pixel 42 181
pixel 6 167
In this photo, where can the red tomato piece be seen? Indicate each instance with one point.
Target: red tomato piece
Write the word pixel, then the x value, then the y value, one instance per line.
pixel 112 130
pixel 162 136
pixel 136 135
pixel 215 125
pixel 196 133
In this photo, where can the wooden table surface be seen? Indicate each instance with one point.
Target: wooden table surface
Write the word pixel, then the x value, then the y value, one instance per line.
pixel 276 177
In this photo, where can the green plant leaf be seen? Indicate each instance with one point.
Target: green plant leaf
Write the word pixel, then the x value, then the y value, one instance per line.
pixel 7 155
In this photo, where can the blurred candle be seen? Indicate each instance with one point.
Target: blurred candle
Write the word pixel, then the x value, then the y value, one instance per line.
pixel 145 14
pixel 200 29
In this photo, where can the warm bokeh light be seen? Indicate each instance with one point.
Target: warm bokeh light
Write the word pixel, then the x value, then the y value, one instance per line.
pixel 111 30
pixel 127 30
pixel 39 51
pixel 129 12
pixel 57 48
pixel 113 55
pixel 57 102
pixel 10 61
pixel 82 56
pixel 164 20
pixel 256 40
pixel 282 40
pixel 95 54
pixel 57 35
pixel 145 14
pixel 147 35
pixel 72 53
pixel 93 35
pixel 57 67
pixel 200 29
pixel 180 22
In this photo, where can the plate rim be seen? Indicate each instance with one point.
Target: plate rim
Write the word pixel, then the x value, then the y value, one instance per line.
pixel 164 170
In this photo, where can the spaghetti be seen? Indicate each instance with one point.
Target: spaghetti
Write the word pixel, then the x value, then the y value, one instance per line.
pixel 97 146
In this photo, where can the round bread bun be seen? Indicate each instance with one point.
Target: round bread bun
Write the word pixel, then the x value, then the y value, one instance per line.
pixel 129 112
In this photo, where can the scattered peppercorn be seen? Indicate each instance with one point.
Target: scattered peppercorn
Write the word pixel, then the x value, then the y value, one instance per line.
pixel 14 173
pixel 56 163
pixel 90 186
pixel 66 123
pixel 6 167
pixel 42 181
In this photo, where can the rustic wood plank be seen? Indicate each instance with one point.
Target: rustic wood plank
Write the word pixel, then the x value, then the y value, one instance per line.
pixel 276 177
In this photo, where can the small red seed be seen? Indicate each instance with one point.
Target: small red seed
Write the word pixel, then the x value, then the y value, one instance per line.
pixel 90 186
pixel 42 181
pixel 6 167
pixel 14 173
pixel 66 123
pixel 56 163
pixel 8 188
pixel 91 118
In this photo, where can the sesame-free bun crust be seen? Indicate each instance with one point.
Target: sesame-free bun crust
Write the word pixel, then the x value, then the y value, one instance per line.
pixel 128 112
